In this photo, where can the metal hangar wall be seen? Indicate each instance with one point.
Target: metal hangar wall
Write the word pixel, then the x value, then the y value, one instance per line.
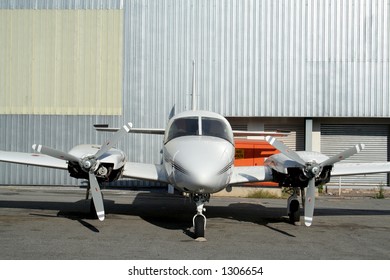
pixel 318 68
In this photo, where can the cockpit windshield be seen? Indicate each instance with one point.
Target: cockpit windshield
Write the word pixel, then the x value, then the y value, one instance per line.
pixel 215 127
pixel 183 127
pixel 190 127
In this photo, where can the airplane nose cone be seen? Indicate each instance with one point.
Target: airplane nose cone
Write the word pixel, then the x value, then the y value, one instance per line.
pixel 202 178
pixel 202 163
pixel 204 160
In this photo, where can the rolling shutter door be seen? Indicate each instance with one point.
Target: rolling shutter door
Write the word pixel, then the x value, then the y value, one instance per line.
pixel 336 138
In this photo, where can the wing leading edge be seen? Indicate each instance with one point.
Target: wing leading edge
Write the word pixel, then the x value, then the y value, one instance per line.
pixel 145 171
pixel 250 174
pixel 156 172
pixel 346 169
pixel 161 131
pixel 32 159
pixel 106 128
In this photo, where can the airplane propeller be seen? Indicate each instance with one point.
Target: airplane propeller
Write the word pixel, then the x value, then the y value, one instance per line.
pixel 311 170
pixel 89 164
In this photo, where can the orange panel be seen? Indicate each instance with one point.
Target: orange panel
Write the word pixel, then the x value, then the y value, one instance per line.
pixel 253 153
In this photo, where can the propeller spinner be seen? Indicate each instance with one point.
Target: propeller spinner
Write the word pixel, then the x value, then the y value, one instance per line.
pixel 89 164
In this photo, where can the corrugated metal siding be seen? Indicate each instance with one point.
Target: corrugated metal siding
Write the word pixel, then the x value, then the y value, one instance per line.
pixel 70 62
pixel 19 132
pixel 262 58
pixel 336 138
pixel 254 58
pixel 61 4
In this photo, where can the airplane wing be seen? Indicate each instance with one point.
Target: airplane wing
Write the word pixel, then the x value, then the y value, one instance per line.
pixel 104 127
pixel 249 174
pixel 145 171
pixel 345 169
pixel 148 130
pixel 33 159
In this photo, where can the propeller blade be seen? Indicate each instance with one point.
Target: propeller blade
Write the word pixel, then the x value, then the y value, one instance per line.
pixel 303 196
pixel 343 155
pixel 309 202
pixel 285 150
pixel 96 196
pixel 54 153
pixel 114 139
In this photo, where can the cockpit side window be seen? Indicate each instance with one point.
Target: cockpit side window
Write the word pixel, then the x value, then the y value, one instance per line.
pixel 183 127
pixel 216 128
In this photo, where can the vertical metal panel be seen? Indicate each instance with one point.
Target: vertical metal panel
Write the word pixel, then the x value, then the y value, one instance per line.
pixel 268 58
pixel 262 58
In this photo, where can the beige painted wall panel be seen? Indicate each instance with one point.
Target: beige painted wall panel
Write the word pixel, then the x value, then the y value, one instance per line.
pixel 5 57
pixel 61 62
pixel 20 64
pixel 44 65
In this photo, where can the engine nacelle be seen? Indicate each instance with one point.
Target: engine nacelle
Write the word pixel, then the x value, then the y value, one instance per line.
pixel 289 173
pixel 104 173
pixel 296 178
pixel 110 165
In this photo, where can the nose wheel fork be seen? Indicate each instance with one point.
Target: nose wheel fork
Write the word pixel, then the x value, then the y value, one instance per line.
pixel 199 220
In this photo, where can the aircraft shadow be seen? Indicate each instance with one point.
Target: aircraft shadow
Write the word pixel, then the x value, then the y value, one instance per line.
pixel 175 212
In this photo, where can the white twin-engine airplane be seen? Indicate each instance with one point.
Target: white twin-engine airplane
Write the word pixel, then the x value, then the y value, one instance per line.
pixel 198 156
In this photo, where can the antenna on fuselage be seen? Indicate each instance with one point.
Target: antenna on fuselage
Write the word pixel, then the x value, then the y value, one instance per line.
pixel 193 87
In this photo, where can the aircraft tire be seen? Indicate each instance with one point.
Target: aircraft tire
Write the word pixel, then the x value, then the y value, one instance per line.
pixel 199 224
pixel 295 214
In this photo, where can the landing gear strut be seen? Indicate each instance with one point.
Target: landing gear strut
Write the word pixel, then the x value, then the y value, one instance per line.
pixel 199 220
pixel 293 208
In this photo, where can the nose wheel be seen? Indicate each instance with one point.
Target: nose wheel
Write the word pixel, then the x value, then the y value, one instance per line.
pixel 199 220
pixel 199 225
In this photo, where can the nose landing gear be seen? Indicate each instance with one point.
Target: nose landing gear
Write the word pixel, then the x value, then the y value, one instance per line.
pixel 199 220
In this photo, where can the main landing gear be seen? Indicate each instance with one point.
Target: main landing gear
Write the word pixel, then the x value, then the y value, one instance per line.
pixel 293 207
pixel 199 220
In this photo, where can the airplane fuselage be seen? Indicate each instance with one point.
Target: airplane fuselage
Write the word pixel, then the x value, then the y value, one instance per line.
pixel 198 153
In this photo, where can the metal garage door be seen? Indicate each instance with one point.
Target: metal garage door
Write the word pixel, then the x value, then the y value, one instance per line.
pixel 336 138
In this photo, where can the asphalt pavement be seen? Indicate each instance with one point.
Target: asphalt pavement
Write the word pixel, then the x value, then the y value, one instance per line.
pixel 55 223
